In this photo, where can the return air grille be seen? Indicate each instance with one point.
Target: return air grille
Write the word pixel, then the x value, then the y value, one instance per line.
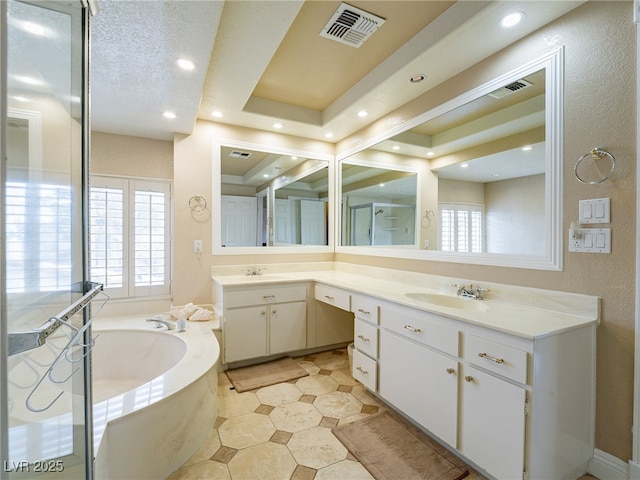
pixel 511 89
pixel 351 26
pixel 237 154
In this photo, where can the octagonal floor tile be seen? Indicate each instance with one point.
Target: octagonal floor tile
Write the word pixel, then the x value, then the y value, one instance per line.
pixel 317 384
pixel 331 361
pixel 295 417
pixel 279 394
pixel 316 447
pixel 344 470
pixel 343 377
pixel 266 461
pixel 338 404
pixel 236 404
pixel 246 430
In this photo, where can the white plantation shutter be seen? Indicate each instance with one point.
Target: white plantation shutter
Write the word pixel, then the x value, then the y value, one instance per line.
pixel 130 236
pixel 461 228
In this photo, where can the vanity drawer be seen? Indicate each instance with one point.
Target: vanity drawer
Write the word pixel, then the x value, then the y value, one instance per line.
pixel 333 296
pixel 496 357
pixel 366 338
pixel 420 326
pixel 365 307
pixel 365 370
pixel 261 296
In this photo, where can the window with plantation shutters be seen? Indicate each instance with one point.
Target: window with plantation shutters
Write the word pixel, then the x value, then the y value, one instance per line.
pixel 461 228
pixel 130 241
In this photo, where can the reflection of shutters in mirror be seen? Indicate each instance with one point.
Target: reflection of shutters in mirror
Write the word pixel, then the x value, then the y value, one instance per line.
pixel 461 228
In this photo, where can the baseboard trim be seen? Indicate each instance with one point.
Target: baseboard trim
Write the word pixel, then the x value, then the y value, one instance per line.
pixel 634 470
pixel 608 467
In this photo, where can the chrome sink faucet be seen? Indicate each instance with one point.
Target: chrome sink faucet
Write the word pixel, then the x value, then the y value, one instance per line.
pixel 159 322
pixel 255 270
pixel 471 291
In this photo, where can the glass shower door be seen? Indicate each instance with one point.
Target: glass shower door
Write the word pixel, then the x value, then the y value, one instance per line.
pixel 46 398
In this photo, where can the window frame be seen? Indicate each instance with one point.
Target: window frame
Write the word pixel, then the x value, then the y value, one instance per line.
pixel 129 186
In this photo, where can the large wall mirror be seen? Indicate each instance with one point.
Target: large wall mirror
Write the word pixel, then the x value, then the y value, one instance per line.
pixel 273 200
pixel 489 182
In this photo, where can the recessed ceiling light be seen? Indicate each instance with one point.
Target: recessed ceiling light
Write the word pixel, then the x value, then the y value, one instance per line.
pixel 277 125
pixel 396 147
pixel 186 64
pixel 328 135
pixel 294 157
pixel 217 114
pixel 527 148
pixel 495 174
pixel 363 113
pixel 169 115
pixel 512 19
pixel 417 78
pixel 381 185
pixel 430 154
pixel 464 165
pixel 265 175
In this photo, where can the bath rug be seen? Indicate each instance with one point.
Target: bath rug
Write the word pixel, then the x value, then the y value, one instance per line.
pixel 265 374
pixel 390 449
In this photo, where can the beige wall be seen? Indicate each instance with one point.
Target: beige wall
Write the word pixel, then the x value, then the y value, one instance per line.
pixel 599 111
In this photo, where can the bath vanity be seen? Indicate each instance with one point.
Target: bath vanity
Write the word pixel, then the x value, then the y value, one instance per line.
pixel 507 382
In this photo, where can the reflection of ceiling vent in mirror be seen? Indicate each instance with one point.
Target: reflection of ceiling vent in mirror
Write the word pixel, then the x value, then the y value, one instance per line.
pixel 351 26
pixel 511 89
pixel 237 154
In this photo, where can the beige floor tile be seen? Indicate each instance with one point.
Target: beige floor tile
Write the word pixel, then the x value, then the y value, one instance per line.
pixel 330 361
pixel 246 430
pixel 343 377
pixel 316 447
pixel 279 394
pixel 238 404
pixel 203 470
pixel 310 367
pixel 317 385
pixel 206 451
pixel 338 405
pixel 266 461
pixel 295 417
pixel 365 396
pixel 344 470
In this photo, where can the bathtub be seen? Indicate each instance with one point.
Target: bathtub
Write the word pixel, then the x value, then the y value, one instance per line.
pixel 155 396
pixel 155 400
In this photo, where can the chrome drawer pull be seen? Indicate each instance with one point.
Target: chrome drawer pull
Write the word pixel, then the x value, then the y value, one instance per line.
pixel 363 338
pixel 364 312
pixel 489 357
pixel 328 297
pixel 412 329
pixel 265 297
pixel 364 372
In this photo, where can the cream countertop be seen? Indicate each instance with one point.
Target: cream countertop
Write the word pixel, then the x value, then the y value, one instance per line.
pixel 525 312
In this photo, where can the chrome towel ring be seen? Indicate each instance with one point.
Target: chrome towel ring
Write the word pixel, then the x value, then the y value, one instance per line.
pixel 595 154
pixel 197 204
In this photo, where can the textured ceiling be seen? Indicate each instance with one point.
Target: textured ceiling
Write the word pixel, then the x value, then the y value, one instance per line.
pixel 261 62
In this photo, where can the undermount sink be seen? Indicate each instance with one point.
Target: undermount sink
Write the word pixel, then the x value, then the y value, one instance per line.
pixel 449 301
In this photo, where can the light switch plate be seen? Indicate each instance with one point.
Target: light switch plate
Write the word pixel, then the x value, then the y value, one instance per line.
pixel 595 210
pixel 593 240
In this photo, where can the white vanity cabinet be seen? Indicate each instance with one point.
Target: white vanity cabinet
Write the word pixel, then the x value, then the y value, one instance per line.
pixel 333 318
pixel 264 320
pixel 365 340
pixel 418 368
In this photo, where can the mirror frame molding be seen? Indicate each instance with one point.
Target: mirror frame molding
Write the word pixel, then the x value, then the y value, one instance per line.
pixel 216 192
pixel 553 63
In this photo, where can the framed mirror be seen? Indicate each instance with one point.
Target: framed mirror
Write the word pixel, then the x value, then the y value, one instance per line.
pixel 269 199
pixel 489 182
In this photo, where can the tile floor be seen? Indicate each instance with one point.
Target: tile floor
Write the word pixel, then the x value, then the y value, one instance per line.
pixel 284 431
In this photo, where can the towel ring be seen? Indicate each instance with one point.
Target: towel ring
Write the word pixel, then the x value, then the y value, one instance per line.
pixel 197 204
pixel 595 154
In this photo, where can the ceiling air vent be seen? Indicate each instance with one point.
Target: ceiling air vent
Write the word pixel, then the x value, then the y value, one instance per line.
pixel 237 154
pixel 351 26
pixel 511 89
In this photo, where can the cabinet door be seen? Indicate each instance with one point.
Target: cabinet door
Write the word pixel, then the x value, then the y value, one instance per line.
pixel 493 422
pixel 287 327
pixel 421 383
pixel 245 333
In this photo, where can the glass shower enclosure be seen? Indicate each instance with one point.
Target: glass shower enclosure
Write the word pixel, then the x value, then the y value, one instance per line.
pixel 45 298
pixel 382 224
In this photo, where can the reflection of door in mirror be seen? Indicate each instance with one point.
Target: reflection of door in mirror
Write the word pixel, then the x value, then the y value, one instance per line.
pixel 272 199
